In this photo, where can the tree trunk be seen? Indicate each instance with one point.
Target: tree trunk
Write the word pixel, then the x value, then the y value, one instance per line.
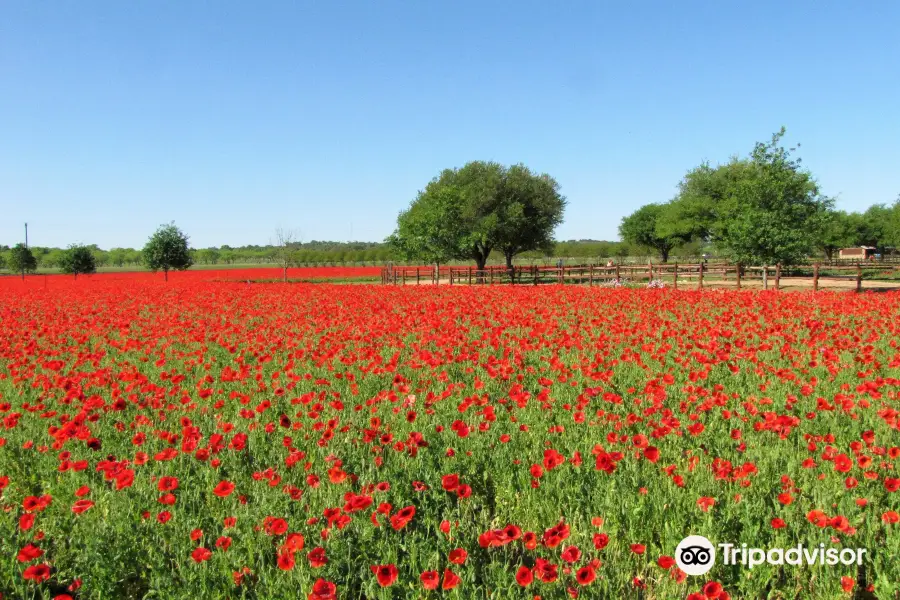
pixel 284 273
pixel 509 266
pixel 664 255
pixel 166 274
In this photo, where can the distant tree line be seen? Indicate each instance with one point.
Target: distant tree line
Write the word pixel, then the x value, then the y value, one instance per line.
pixel 316 253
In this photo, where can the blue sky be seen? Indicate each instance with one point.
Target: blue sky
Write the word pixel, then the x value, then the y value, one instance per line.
pixel 235 118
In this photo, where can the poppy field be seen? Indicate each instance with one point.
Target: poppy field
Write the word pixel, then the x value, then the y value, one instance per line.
pixel 213 439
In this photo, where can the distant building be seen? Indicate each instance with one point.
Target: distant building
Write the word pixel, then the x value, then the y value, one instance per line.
pixel 860 253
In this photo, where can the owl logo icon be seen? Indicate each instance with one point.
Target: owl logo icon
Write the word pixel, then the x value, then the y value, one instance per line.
pixel 695 555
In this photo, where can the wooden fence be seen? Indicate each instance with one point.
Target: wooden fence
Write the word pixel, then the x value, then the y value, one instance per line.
pixel 671 274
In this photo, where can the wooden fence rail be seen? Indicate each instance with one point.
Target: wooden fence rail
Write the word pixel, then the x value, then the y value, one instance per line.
pixel 674 274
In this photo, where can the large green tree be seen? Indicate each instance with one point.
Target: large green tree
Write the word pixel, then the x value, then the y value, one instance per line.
pixel 531 208
pixel 467 213
pixel 763 209
pixel 166 250
pixel 21 260
pixel 644 228
pixel 77 260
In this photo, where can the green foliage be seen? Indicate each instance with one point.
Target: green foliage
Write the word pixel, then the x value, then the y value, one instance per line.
pixel 874 227
pixel 643 227
pixel 468 212
pixel 531 209
pixel 764 209
pixel 78 260
pixel 838 230
pixel 21 260
pixel 167 249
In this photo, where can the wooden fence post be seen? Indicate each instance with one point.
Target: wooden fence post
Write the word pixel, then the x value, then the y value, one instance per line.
pixel 591 276
pixel 492 276
pixel 700 278
pixel 765 276
pixel 417 275
pixel 650 264
pixel 617 271
pixel 816 277
pixel 737 275
pixel 534 271
pixel 470 275
pixel 675 276
pixel 777 277
pixel 858 278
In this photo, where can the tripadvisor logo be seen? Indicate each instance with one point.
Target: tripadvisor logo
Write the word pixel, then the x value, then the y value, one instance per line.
pixel 696 555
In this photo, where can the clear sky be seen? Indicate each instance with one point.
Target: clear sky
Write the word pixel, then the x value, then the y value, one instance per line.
pixel 235 118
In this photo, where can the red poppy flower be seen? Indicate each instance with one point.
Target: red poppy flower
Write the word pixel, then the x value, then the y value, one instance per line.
pixel 37 573
pixel 450 580
pixel 201 554
pixel 847 584
pixel 585 575
pixel 429 579
pixel 81 506
pixel 403 517
pixel 571 554
pixel 317 558
pixel 712 589
pixel 450 482
pixel 29 553
pixel 385 574
pixel 285 561
pixel 323 590
pixel 458 556
pixel 223 489
pixel 524 576
pixel 545 571
pixel 167 484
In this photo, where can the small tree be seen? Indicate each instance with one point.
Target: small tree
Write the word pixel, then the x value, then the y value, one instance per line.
pixel 642 227
pixel 77 260
pixel 21 260
pixel 285 252
pixel 167 249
